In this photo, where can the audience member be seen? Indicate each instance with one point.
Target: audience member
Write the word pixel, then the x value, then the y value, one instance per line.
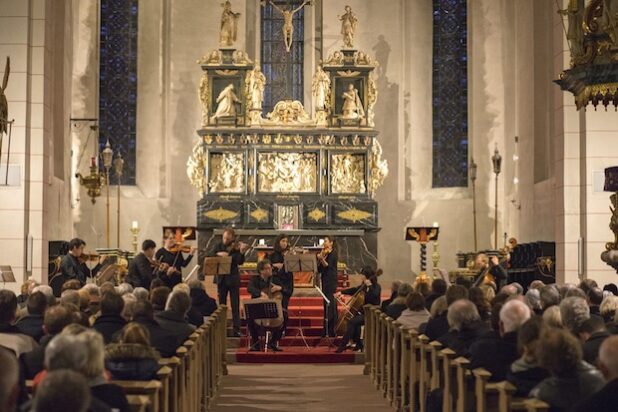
pixel 552 317
pixel 399 303
pixel 574 311
pixel 163 341
pixel 32 323
pixel 415 314
pixel 608 308
pixel 129 300
pixel 489 292
pixel 9 380
pixel 549 297
pixel 110 321
pixel 466 327
pixel 422 287
pixel 158 298
pixel 93 294
pixel 605 400
pixel 173 318
pixel 107 287
pixel 595 298
pixel 394 289
pixel 611 287
pixel 438 326
pixel 201 304
pixel 63 391
pixel 438 288
pixel 497 354
pixel 10 336
pixel 132 358
pixel 572 379
pixel 477 296
pixel 124 288
pixel 533 299
pixel 592 333
pixel 141 293
pixel 525 373
pixel 536 284
pixel 576 293
pixel 438 308
pixel 586 285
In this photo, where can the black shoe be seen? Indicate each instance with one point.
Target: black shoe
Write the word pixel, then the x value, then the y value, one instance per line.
pixel 255 347
pixel 236 334
pixel 358 348
pixel 340 349
pixel 274 348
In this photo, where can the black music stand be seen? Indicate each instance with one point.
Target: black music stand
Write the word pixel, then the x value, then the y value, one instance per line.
pixel 301 263
pixel 262 309
pixel 217 266
pixel 6 275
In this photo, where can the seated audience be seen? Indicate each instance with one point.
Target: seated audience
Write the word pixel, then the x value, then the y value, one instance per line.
pixel 10 336
pixel 124 288
pixel 422 288
pixel 576 293
pixel 592 333
pixel 549 297
pixel 92 293
pixel 466 327
pixel 9 381
pixel 586 285
pixel 201 304
pixel 394 290
pixel 595 298
pixel 525 373
pixel 415 314
pixel 574 311
pixel 605 400
pixel 173 318
pixel 438 326
pixel 608 308
pixel 438 308
pixel 158 298
pixel 477 296
pixel 110 320
pixel 438 288
pixel 572 379
pixel 132 358
pixel 32 323
pixel 62 391
pixel 141 293
pixel 162 340
pixel 536 284
pixel 533 299
pixel 552 317
pixel 612 288
pixel 107 287
pixel 398 304
pixel 497 354
pixel 489 292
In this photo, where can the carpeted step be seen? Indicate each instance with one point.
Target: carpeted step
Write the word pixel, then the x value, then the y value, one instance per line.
pixel 299 355
pixel 315 330
pixel 293 341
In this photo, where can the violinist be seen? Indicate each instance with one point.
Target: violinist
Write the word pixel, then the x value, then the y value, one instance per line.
pixel 264 285
pixel 230 284
pixel 143 268
pixel 327 266
pixel 372 290
pixel 286 279
pixel 490 270
pixel 171 254
pixel 73 264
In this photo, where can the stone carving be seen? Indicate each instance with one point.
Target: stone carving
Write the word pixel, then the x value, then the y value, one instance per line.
pixel 352 104
pixel 196 168
pixel 227 172
pixel 348 173
pixel 349 22
pixel 372 99
pixel 226 103
pixel 229 21
pixel 288 26
pixel 255 83
pixel 283 172
pixel 335 59
pixel 215 57
pixel 204 98
pixel 378 168
pixel 320 89
pixel 288 113
pixel 241 57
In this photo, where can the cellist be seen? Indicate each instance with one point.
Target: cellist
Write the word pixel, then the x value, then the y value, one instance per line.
pixel 372 291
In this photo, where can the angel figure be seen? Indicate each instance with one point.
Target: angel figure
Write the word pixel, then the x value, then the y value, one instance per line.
pixel 352 104
pixel 288 26
pixel 226 103
pixel 4 105
pixel 348 26
pixel 229 21
pixel 255 83
pixel 321 89
pixel 575 33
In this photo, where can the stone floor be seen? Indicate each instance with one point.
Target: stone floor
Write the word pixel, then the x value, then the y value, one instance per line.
pixel 298 387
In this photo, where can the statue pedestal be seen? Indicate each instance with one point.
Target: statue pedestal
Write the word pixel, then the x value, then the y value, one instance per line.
pixel 225 121
pixel 348 56
pixel 349 122
pixel 227 54
pixel 321 118
pixel 255 117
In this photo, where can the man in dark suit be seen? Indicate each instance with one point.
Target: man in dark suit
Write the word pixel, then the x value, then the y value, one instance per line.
pixel 161 339
pixel 141 270
pixel 492 267
pixel 230 284
pixel 592 333
pixel 606 399
pixel 110 322
pixel 32 323
pixel 71 266
pixel 173 318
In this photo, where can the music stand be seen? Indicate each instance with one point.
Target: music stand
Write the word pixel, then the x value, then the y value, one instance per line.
pixel 301 263
pixel 217 266
pixel 6 275
pixel 262 309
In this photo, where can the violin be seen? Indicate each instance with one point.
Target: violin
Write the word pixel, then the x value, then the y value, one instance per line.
pixel 180 248
pixel 88 257
pixel 323 254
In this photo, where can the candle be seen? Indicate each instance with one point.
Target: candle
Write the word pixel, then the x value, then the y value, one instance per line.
pixel 435 224
pixel 93 161
pixel 321 242
pixel 134 225
pixel 262 242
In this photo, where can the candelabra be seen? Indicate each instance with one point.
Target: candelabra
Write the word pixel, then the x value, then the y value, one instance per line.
pixel 473 168
pixel 118 168
pixel 496 159
pixel 135 231
pixel 92 182
pixel 107 155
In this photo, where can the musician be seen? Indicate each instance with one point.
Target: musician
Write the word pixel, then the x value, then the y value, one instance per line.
pixel 327 266
pixel 173 258
pixel 73 265
pixel 263 286
pixel 230 284
pixel 372 291
pixel 143 268
pixel 490 267
pixel 286 279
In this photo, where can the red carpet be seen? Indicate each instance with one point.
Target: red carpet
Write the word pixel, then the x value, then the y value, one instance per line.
pixel 297 355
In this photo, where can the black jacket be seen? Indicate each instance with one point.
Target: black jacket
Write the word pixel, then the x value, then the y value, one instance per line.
pixel 372 294
pixel 112 395
pixel 31 325
pixel 525 376
pixel 328 274
pixel 108 326
pixel 498 272
pixel 283 278
pixel 164 341
pixel 395 308
pixel 130 361
pixel 202 303
pixel 140 273
pixel 257 284
pixel 233 279
pixel 592 345
pixel 388 301
pixel 32 362
pixel 605 400
pixel 176 260
pixel 173 322
pixel 461 341
pixel 437 327
pixel 494 354
pixel 72 268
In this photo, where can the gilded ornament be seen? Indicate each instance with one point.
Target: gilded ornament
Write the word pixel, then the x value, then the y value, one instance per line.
pixel 354 215
pixel 288 113
pixel 226 72
pixel 310 139
pixel 196 168
pixel 260 215
pixel 316 215
pixel 221 214
pixel 226 103
pixel 227 172
pixel 214 58
pixel 356 140
pixel 204 98
pixel 283 172
pixel 348 73
pixel 367 140
pixel 241 58
pixel 208 139
pixel 219 138
pixel 298 139
pixel 255 82
pixel 229 22
pixel 352 104
pixel 278 138
pixel 231 139
pixel 287 138
pixel 288 26
pixel 335 59
pixel 243 139
pixel 344 140
pixel 372 99
pixel 361 59
pixel 320 90
pixel 378 168
pixel 266 139
pixel 348 173
pixel 253 139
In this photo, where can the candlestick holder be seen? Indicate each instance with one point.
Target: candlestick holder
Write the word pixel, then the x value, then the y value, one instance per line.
pixel 93 182
pixel 135 231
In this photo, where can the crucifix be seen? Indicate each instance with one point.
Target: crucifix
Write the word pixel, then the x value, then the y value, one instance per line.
pixel 288 27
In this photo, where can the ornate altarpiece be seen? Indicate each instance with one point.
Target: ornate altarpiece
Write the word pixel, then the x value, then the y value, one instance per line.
pixel 290 171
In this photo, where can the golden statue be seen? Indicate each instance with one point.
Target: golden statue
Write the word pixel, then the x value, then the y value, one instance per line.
pixel 281 172
pixel 226 103
pixel 352 104
pixel 288 25
pixel 204 96
pixel 349 22
pixel 348 174
pixel 227 171
pixel 229 21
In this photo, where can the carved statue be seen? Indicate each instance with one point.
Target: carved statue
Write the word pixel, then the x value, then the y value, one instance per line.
pixel 379 168
pixel 575 33
pixel 609 22
pixel 321 89
pixel 229 20
pixel 352 104
pixel 372 98
pixel 4 105
pixel 613 223
pixel 349 22
pixel 227 172
pixel 288 26
pixel 255 83
pixel 226 103
pixel 348 173
pixel 204 97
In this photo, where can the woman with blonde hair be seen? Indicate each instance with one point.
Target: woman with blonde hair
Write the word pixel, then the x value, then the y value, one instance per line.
pixel 132 358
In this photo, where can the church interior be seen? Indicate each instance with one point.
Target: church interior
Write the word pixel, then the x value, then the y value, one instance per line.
pixel 243 205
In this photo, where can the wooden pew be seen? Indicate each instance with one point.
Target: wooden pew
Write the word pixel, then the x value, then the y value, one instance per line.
pixel 498 396
pixel 423 374
pixel 138 403
pixel 173 364
pixel 449 379
pixel 149 389
pixel 465 385
pixel 396 362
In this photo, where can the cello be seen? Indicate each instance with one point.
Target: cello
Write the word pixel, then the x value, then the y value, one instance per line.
pixel 277 322
pixel 353 307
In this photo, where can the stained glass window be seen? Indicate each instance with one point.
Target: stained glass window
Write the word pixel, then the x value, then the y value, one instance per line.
pixel 450 93
pixel 283 69
pixel 118 81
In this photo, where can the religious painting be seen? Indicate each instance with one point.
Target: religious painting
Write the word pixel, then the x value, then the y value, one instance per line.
pixel 347 173
pixel 287 172
pixel 226 172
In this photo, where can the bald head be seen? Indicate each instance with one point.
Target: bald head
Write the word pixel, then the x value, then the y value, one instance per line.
pixel 513 314
pixel 608 358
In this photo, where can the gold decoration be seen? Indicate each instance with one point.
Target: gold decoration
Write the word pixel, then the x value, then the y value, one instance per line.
pixel 288 113
pixel 266 139
pixel 260 215
pixel 221 214
pixel 282 172
pixel 196 168
pixel 219 138
pixel 372 99
pixel 253 139
pixel 208 139
pixel 344 140
pixel 214 58
pixel 204 98
pixel 226 72
pixel 227 172
pixel 613 222
pixel 367 140
pixel 361 59
pixel 231 139
pixel 354 215
pixel 596 93
pixel 348 173
pixel 241 58
pixel 378 168
pixel 310 139
pixel 348 73
pixel 298 139
pixel 335 59
pixel 278 138
pixel 316 214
